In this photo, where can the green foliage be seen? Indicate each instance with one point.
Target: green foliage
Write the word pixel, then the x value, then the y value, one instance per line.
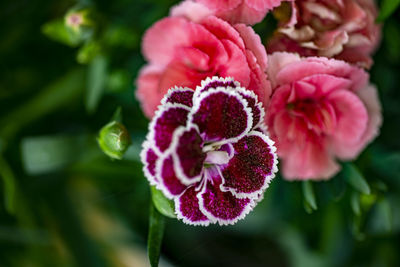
pixel 354 177
pixel 65 203
pixel 165 206
pixel 388 7
pixel 9 186
pixel 309 197
pixel 156 233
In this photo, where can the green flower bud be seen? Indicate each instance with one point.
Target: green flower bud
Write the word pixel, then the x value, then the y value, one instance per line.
pixel 114 139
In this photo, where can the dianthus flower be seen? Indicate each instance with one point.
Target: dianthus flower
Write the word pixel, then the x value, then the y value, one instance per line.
pixel 208 150
pixel 239 11
pixel 191 45
pixel 321 109
pixel 342 29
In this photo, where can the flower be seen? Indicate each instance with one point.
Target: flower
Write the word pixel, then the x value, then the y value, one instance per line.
pixel 240 11
pixel 184 49
pixel 321 109
pixel 343 29
pixel 208 151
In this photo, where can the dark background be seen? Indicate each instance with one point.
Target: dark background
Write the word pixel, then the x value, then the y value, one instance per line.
pixel 64 203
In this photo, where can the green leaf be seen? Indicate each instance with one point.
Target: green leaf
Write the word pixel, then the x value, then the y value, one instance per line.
pixel 387 8
pixel 57 31
pixel 9 185
pixel 382 219
pixel 156 232
pixel 354 177
pixel 49 153
pixel 355 203
pixel 88 52
pixel 165 206
pixel 309 197
pixel 55 96
pixel 95 84
pixel 117 116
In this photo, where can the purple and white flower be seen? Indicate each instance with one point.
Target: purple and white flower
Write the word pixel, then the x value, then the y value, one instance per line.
pixel 208 150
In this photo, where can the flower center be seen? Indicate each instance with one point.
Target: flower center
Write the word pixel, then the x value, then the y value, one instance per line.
pixel 216 158
pixel 317 116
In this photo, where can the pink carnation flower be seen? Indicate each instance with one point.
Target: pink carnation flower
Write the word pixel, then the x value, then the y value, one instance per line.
pixel 344 29
pixel 240 11
pixel 184 49
pixel 207 150
pixel 321 109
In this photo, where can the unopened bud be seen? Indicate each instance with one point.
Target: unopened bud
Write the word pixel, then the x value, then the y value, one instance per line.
pixel 114 139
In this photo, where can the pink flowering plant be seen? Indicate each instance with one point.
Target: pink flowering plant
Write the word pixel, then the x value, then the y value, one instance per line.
pixel 220 101
pixel 208 151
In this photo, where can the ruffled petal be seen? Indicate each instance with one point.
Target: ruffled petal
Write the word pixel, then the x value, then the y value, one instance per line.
pixel 222 207
pixel 167 119
pixel 215 82
pixel 221 115
pixel 169 183
pixel 253 166
pixel 149 158
pixel 370 99
pixel 256 107
pixel 351 116
pixel 310 162
pixel 187 208
pixel 188 155
pixel 179 95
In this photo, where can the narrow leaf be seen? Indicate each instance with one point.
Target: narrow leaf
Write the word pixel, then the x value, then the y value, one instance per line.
pixel 308 193
pixel 156 232
pixel 55 96
pixel 355 203
pixel 96 80
pixel 117 116
pixel 387 8
pixel 44 154
pixel 9 185
pixel 354 177
pixel 162 204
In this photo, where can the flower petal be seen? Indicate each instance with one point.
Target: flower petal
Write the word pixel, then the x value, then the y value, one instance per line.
pixel 253 166
pixel 188 155
pixel 215 82
pixel 166 120
pixel 222 115
pixel 179 95
pixel 169 183
pixel 310 162
pixel 349 128
pixel 149 159
pixel 187 208
pixel 256 107
pixel 222 207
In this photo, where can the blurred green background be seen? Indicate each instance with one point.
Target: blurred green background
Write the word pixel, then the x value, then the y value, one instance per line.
pixel 65 203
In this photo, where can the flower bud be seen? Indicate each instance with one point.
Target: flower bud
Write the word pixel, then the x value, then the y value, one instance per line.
pixel 114 139
pixel 76 19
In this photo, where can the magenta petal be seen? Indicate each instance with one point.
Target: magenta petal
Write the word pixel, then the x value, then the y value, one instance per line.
pixel 188 154
pixel 221 115
pixel 149 158
pixel 179 95
pixel 166 120
pixel 256 107
pixel 223 207
pixel 169 183
pixel 216 82
pixel 187 208
pixel 253 166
